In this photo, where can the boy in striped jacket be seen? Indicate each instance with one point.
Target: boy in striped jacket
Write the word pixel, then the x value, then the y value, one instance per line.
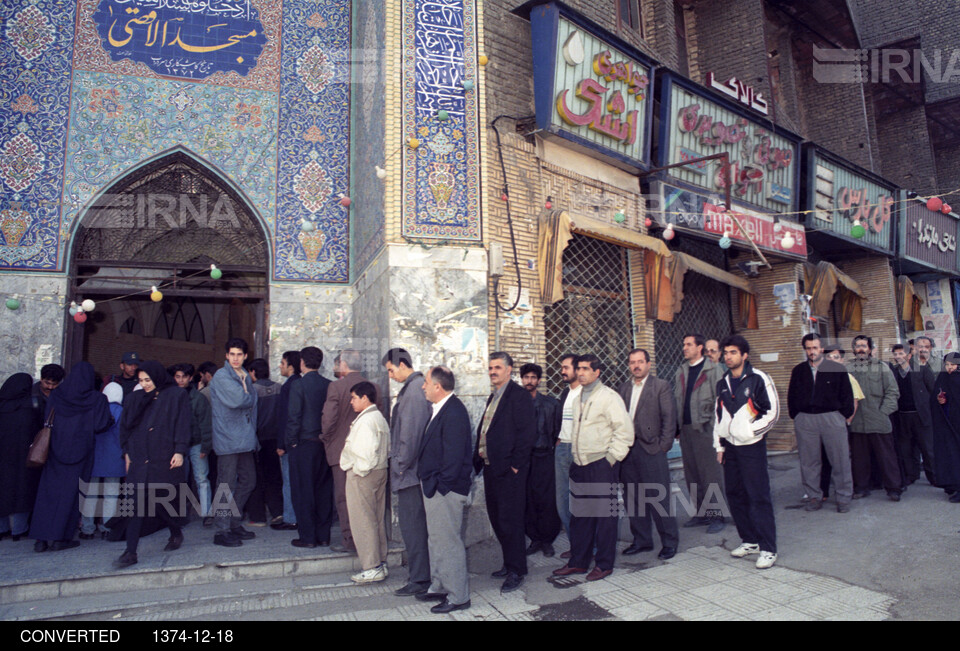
pixel 747 408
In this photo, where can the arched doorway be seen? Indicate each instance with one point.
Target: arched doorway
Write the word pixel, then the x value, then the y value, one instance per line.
pixel 163 224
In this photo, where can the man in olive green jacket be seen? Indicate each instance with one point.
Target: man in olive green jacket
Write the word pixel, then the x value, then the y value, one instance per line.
pixel 695 390
pixel 871 428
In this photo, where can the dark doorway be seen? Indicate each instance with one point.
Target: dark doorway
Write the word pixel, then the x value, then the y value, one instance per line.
pixel 163 225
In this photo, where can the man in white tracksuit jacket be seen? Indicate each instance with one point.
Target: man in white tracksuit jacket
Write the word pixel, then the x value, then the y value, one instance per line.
pixel 747 408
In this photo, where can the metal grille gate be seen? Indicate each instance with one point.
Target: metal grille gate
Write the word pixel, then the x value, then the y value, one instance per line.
pixel 706 309
pixel 595 315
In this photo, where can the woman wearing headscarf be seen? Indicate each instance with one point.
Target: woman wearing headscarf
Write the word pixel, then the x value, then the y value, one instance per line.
pixel 79 412
pixel 155 437
pixel 21 417
pixel 108 470
pixel 945 408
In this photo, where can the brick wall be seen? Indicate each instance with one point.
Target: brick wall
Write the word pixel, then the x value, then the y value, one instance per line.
pixel 948 172
pixel 905 150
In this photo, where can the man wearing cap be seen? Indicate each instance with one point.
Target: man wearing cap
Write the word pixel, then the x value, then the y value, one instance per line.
pixel 128 380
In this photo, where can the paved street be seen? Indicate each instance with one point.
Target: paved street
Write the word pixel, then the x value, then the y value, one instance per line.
pixel 882 561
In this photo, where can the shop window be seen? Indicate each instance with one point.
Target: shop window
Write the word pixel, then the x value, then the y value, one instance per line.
pixel 595 313
pixel 628 16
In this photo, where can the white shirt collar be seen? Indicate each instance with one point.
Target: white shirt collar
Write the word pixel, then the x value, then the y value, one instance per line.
pixel 437 406
pixel 698 362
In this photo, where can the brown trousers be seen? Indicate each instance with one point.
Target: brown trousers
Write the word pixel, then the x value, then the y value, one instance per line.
pixel 340 498
pixel 367 503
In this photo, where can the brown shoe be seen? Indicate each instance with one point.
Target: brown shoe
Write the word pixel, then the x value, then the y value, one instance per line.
pixel 565 554
pixel 566 570
pixel 596 574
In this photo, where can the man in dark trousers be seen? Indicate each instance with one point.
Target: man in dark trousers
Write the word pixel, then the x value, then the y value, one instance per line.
pixel 337 416
pixel 505 439
pixel 268 494
pixel 542 520
pixel 913 431
pixel 311 482
pixel 410 415
pixel 444 470
pixel 290 369
pixel 649 400
pixel 694 388
pixel 820 400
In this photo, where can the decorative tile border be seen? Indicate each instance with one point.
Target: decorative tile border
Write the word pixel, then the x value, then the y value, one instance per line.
pixel 90 55
pixel 36 47
pixel 442 175
pixel 314 142
pixel 117 122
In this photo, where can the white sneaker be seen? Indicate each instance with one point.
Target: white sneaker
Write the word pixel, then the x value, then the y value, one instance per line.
pixel 766 560
pixel 386 573
pixel 745 549
pixel 374 575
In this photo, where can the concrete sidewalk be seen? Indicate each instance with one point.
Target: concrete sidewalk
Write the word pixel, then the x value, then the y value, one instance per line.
pixel 881 560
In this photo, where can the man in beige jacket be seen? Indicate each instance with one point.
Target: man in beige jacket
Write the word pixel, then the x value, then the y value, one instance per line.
pixel 602 436
pixel 364 460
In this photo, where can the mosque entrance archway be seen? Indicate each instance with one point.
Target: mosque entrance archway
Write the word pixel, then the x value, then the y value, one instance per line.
pixel 163 225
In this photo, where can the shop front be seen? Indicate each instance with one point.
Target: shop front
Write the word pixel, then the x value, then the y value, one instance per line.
pixel 851 219
pixel 725 195
pixel 928 267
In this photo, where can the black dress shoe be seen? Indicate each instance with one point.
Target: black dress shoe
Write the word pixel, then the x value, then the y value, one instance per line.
pixel 412 590
pixel 126 560
pixel 283 526
pixel 173 544
pixel 447 607
pixel 226 540
pixel 667 553
pixel 297 542
pixel 533 548
pixel 697 521
pixel 5 534
pixel 40 546
pixel 87 536
pixel 17 537
pixel 547 550
pixel 513 582
pixel 637 549
pixel 501 573
pixel 432 596
pixel 323 543
pixel 60 545
pixel 243 534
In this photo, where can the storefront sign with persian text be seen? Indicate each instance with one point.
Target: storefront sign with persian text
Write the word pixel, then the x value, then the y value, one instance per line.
pixel 842 197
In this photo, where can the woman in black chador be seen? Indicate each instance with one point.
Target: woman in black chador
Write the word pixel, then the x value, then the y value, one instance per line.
pixel 79 412
pixel 20 414
pixel 945 407
pixel 155 437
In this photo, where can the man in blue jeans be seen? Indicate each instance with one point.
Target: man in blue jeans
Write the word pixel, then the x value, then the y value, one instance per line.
pixel 563 456
pixel 289 369
pixel 234 402
pixel 201 438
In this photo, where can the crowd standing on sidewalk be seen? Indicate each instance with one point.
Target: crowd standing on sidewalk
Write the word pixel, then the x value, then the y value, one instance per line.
pixel 251 452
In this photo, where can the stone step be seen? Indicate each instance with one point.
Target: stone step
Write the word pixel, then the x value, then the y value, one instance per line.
pixel 18 596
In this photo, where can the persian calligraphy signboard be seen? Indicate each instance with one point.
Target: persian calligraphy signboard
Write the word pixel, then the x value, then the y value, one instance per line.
pixel 591 88
pixel 182 38
pixel 930 237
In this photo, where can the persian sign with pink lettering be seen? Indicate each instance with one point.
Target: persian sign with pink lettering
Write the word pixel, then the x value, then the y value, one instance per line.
pixel 591 88
pixel 764 161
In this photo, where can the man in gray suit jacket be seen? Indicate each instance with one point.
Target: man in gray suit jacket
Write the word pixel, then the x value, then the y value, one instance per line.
pixel 644 473
pixel 408 420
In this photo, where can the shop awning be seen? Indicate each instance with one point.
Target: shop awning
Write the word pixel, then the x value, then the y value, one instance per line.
pixel 823 280
pixel 695 264
pixel 556 231
pixel 664 268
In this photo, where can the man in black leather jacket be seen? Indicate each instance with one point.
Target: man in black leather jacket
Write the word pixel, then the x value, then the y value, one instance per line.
pixel 542 520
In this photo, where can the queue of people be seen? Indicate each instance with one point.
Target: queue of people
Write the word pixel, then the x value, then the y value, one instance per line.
pixel 299 454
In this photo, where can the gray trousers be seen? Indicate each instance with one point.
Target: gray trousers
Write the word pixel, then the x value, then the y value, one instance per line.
pixel 701 470
pixel 413 528
pixel 830 430
pixel 239 473
pixel 448 555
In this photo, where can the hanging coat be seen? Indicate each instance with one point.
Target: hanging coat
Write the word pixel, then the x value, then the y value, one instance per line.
pixel 20 414
pixel 79 413
pixel 946 431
